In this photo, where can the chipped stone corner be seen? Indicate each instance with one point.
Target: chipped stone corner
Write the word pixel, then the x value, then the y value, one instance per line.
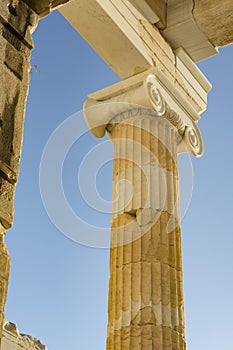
pixel 12 339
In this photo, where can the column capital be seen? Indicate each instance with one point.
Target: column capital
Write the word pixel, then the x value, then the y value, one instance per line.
pixel 179 100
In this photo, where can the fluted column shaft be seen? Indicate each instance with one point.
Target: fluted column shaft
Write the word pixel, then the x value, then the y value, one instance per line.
pixel 145 287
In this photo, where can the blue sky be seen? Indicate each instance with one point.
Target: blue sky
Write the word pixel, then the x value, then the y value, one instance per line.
pixel 58 288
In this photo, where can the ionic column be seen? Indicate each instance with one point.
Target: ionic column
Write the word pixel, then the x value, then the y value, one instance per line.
pixel 148 128
pixel 145 289
pixel 17 21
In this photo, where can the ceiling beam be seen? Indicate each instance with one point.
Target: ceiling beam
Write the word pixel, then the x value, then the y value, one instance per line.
pixel 44 7
pixel 160 8
pixel 215 19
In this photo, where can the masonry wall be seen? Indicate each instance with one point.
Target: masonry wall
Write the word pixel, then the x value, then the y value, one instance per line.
pixel 17 22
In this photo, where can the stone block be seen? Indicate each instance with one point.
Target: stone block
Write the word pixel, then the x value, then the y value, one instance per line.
pixel 13 340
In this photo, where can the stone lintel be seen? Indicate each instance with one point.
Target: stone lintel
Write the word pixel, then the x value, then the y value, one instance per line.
pixel 183 31
pixel 124 33
pixel 100 21
pixel 163 97
pixel 154 11
pixel 215 19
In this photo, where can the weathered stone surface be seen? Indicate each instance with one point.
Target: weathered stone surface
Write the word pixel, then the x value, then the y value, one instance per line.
pixel 135 47
pixel 13 340
pixel 44 7
pixel 146 306
pixel 17 21
pixel 145 288
pixel 4 276
pixel 215 19
pixel 160 8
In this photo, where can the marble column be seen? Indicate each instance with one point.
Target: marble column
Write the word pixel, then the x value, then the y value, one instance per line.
pixel 17 22
pixel 145 288
pixel 148 128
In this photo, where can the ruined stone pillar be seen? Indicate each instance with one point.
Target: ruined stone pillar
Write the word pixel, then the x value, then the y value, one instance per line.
pixel 17 22
pixel 149 123
pixel 4 276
